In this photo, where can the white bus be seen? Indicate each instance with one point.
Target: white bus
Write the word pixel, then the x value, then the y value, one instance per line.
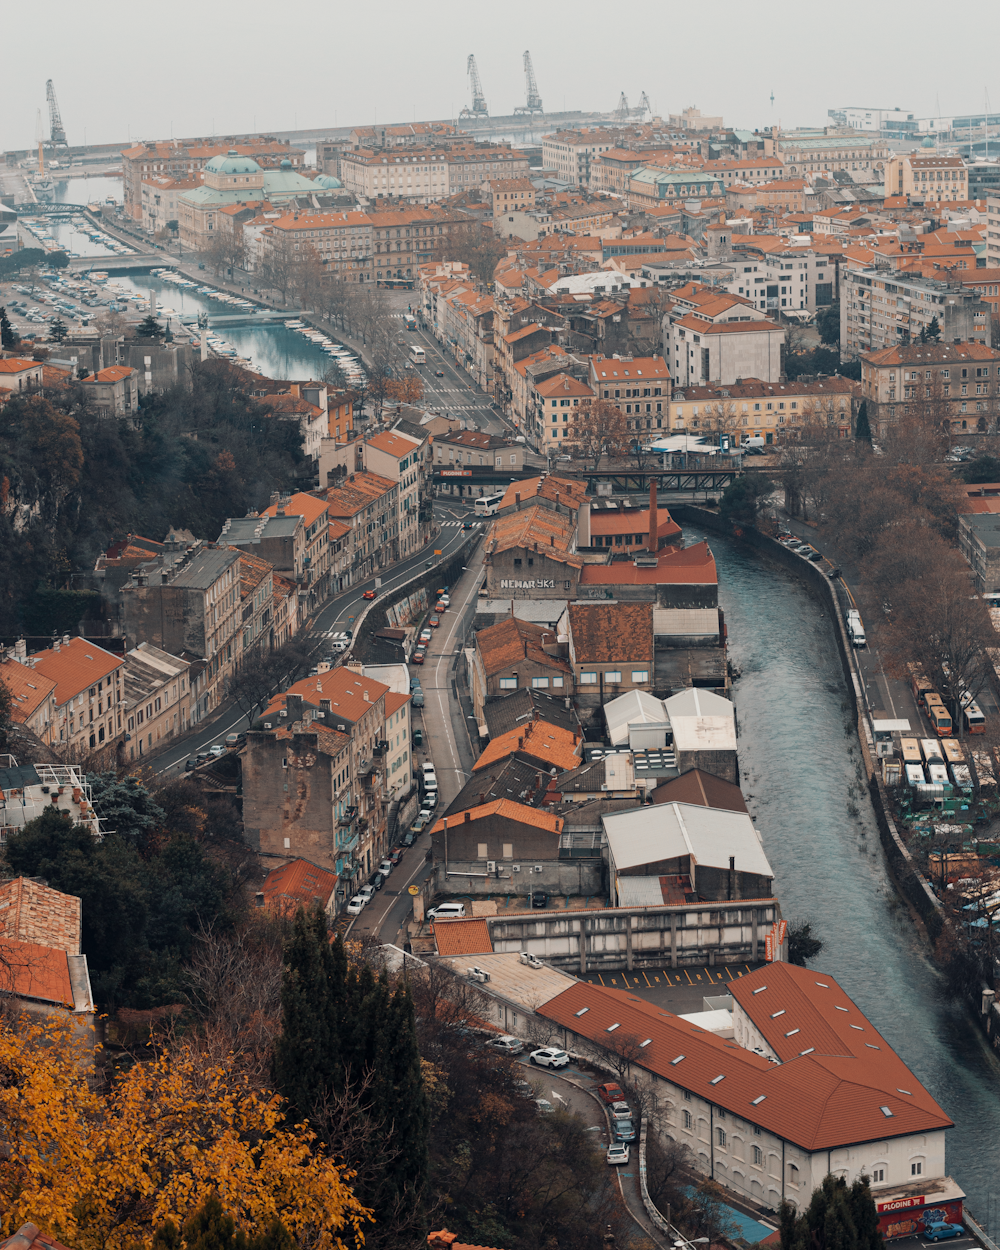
pixel 418 355
pixel 487 505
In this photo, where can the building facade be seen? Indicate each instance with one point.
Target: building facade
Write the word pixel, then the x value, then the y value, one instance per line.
pixel 882 308
pixel 949 386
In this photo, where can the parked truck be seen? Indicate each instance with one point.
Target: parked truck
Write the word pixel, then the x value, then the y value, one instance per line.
pixel 855 628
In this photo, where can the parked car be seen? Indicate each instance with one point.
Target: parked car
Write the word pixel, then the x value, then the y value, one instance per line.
pixel 618 1152
pixel 941 1230
pixel 202 756
pixel 418 737
pixel 428 770
pixel 444 598
pixel 417 699
pixel 216 749
pixel 620 1111
pixel 357 905
pixel 385 867
pixel 426 635
pixel 611 1092
pixel 409 838
pixel 834 573
pixel 440 607
pixel 376 881
pixel 191 764
pixel 549 1057
pixel 418 656
pixel 507 1045
pixel 434 622
pixel 414 683
pixel 544 1106
pixel 370 594
pixel 447 911
pixel 367 892
pixel 419 824
pixel 816 556
pixel 539 899
pixel 623 1130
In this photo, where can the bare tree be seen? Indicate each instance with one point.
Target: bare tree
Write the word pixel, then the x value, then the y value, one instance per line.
pixel 278 264
pixel 599 429
pixel 253 681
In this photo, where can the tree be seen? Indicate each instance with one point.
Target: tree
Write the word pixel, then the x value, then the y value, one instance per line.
pixel 985 468
pixel 8 339
pixel 801 944
pixel 149 328
pixel 931 333
pixel 481 254
pixel 837 1218
pixel 276 269
pixel 828 324
pixel 111 325
pixel 111 1170
pixel 58 330
pixel 862 430
pixel 253 681
pixel 743 499
pixel 405 390
pixel 57 260
pixel 6 707
pixel 599 429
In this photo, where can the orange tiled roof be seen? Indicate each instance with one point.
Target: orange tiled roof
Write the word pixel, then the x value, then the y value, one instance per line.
pixel 29 689
pixel 549 533
pixel 502 644
pixel 38 972
pixel 394 444
pixel 462 937
pixel 77 665
pixel 692 566
pixel 571 492
pixel 113 373
pixel 557 747
pixel 308 507
pixel 298 884
pixel 345 689
pixel 508 809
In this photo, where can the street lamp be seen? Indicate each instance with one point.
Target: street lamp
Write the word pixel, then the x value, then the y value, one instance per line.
pixel 698 1241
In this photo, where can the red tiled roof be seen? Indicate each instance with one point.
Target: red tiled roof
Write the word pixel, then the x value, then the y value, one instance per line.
pixel 830 1097
pixel 298 884
pixel 28 689
pixel 75 666
pixel 308 507
pixel 509 809
pixel 463 937
pixel 557 747
pixel 692 566
pixel 38 972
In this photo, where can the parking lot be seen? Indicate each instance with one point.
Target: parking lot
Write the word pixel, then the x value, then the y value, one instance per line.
pixel 677 989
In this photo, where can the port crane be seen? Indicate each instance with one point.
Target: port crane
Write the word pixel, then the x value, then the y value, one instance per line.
pixel 57 134
pixel 479 106
pixel 534 100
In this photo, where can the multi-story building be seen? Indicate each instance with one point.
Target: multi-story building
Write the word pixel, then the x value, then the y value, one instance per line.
pixel 611 170
pixel 314 585
pixel 340 242
pixel 979 539
pixel 159 197
pixel 927 176
pixel 956 385
pixel 638 386
pixel 407 237
pixel 894 121
pixel 570 153
pixel 692 119
pixel 399 458
pixel 409 135
pixel 187 602
pixel 89 695
pixel 774 411
pixel 286 615
pixel 506 194
pixel 510 656
pixel 556 400
pixel 992 234
pixel 114 391
pixel 772 278
pixel 157 698
pixel 280 540
pixel 366 503
pixel 422 175
pixel 810 153
pixel 33 701
pixel 256 605
pixel 652 186
pixel 610 649
pixel 881 308
pixel 183 160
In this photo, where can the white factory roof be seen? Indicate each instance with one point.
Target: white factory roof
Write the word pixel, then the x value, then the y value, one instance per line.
pixel 634 708
pixel 689 622
pixel 640 892
pixel 647 835
pixel 701 721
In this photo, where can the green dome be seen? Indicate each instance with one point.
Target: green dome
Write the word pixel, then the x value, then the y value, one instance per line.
pixel 232 163
pixel 928 142
pixel 327 182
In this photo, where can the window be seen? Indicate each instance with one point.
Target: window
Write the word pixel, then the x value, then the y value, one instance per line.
pixel 588 679
pixel 687 1095
pixel 878 1175
pixel 758 1156
pixel 482 850
pixel 756 1131
pixel 540 683
pixel 640 675
pixel 613 676
pixel 688 1122
pixel 508 683
pixel 508 850
pixel 916 1169
pixel 721 1135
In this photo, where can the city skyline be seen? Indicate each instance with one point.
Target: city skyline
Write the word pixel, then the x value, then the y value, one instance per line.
pixel 205 89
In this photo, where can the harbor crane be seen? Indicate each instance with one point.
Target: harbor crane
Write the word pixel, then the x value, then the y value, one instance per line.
pixel 57 134
pixel 534 100
pixel 479 106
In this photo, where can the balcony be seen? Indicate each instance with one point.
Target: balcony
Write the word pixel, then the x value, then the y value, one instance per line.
pixel 349 817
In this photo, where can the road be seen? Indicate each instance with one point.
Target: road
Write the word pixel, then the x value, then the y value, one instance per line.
pixel 455 392
pixel 338 613
pixel 446 742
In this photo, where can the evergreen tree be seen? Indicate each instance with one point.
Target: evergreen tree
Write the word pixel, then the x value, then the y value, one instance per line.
pixel 865 1215
pixel 933 331
pixel 862 429
pixel 8 338
pixel 837 1218
pixel 411 1124
pixel 210 1228
pixel 57 330
pixel 149 328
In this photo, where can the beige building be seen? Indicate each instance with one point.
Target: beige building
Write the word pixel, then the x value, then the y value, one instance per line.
pixel 160 195
pixel 881 308
pixel 89 695
pixel 951 384
pixel 33 701
pixel 340 242
pixel 692 119
pixel 366 503
pixel 569 153
pixel 927 176
pixel 773 411
pixel 992 235
pixel 423 175
pixel 157 699
pixel 314 578
pixel 114 391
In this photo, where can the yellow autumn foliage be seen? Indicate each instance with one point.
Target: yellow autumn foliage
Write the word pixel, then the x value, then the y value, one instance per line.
pixel 103 1172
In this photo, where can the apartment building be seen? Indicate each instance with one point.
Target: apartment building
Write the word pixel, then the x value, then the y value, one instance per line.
pixel 557 400
pixel 570 153
pixel 957 384
pixel 405 238
pixel 33 702
pixel 610 649
pixel 651 186
pixel 611 170
pixel 396 457
pixel 506 194
pixel 159 197
pixel 186 602
pixel 315 576
pixel 782 277
pixel 774 411
pixel 472 447
pixel 467 330
pixel 89 695
pixel 423 175
pixel 927 176
pixel 157 698
pixel 815 153
pixel 314 780
pixel 638 386
pixel 880 308
pixel 256 605
pixel 114 391
pixel 992 234
pixel 280 540
pixel 341 242
pixel 510 656
pixel 367 504
pixel 184 160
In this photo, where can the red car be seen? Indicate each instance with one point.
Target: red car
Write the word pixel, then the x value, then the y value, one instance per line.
pixel 434 622
pixel 418 657
pixel 370 594
pixel 611 1093
pixel 440 608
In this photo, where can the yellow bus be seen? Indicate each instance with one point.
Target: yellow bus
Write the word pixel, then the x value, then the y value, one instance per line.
pixel 953 752
pixel 910 747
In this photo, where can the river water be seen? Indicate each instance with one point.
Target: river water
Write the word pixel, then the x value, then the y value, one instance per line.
pixel 803 781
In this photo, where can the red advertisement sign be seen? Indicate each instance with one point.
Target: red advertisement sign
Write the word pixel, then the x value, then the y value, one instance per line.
pixel 782 930
pixel 901 1204
pixel 769 946
pixel 908 1217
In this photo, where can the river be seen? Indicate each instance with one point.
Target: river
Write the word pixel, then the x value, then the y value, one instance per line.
pixel 803 781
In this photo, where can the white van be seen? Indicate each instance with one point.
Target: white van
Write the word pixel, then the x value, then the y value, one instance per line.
pixel 447 911
pixel 339 642
pixel 855 629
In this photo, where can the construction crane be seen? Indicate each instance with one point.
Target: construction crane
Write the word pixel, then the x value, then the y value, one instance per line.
pixel 644 107
pixel 479 106
pixel 57 135
pixel 534 104
pixel 620 116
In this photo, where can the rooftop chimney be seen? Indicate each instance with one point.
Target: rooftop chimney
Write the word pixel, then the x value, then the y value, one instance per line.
pixel 517 499
pixel 652 516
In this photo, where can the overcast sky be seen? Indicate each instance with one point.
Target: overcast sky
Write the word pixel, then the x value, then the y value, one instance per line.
pixel 198 67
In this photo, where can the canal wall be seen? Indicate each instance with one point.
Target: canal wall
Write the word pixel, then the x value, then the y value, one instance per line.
pixel 907 877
